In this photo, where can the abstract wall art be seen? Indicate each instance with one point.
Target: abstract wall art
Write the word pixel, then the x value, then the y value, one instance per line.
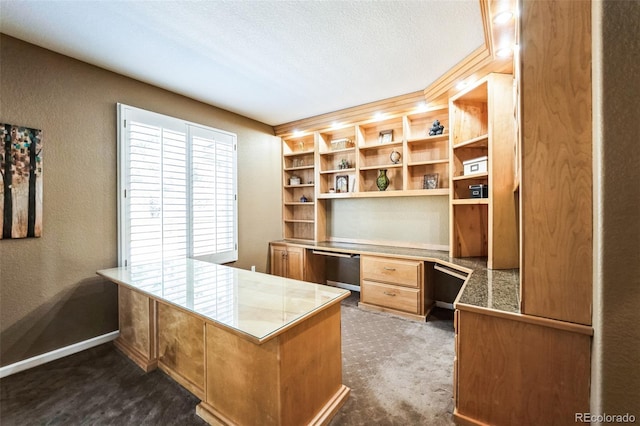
pixel 21 186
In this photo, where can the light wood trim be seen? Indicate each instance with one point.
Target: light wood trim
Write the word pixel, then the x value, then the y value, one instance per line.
pixel 352 115
pixel 529 319
pixel 503 216
pixel 374 308
pixel 463 420
pixel 510 371
pixel 557 178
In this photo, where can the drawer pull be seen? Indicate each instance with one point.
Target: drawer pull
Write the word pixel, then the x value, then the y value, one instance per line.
pixel 389 294
pixel 389 269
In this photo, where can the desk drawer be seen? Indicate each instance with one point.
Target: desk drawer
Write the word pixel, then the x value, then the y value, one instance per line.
pixel 391 296
pixel 394 271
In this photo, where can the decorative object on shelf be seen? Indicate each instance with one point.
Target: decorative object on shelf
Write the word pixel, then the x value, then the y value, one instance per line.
pixel 436 128
pixel 385 136
pixel 21 165
pixel 301 145
pixel 294 180
pixel 303 199
pixel 475 165
pixel 298 162
pixel 430 181
pixel 332 190
pixel 342 143
pixel 343 164
pixel 342 183
pixel 383 180
pixel 395 156
pixel 479 191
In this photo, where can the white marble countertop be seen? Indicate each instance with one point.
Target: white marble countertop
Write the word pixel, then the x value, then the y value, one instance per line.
pixel 256 305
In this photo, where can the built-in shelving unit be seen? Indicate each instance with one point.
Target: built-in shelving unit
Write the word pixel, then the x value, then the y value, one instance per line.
pixel 345 162
pixel 482 125
pixel 298 159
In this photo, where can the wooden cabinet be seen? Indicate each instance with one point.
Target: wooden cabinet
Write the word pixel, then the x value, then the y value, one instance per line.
pixel 513 369
pixel 483 126
pixel 287 261
pixel 394 285
pixel 296 262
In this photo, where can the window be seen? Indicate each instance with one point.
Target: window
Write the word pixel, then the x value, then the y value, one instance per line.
pixel 177 189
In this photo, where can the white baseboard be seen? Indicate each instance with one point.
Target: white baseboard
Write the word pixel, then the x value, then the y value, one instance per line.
pixel 37 360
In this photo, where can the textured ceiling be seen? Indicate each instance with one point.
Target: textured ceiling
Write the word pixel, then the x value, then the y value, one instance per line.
pixel 273 61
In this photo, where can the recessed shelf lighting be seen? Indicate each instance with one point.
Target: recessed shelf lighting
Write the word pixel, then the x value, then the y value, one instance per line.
pixel 461 85
pixel 297 133
pixel 504 52
pixel 503 17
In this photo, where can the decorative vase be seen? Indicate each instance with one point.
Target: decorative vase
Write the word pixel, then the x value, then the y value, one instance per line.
pixel 383 180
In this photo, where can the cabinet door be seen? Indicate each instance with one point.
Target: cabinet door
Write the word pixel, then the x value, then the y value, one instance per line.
pixel 295 263
pixel 279 260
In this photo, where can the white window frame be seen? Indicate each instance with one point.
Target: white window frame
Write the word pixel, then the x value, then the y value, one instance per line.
pixel 126 112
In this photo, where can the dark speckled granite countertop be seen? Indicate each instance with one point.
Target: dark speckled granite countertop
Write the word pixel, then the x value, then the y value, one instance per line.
pixel 485 288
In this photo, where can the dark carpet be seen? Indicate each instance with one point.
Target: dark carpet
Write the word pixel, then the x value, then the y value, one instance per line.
pixel 399 371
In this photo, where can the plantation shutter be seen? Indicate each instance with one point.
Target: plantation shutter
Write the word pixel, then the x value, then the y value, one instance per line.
pixel 177 190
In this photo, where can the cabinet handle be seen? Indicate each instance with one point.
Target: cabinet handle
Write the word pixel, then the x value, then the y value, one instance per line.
pixel 389 269
pixel 389 294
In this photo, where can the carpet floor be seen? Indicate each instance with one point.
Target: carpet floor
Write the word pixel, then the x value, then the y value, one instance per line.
pixel 399 371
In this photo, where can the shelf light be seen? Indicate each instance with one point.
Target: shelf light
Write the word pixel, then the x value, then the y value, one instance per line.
pixel 503 17
pixel 461 85
pixel 504 52
pixel 297 133
pixel 378 116
pixel 422 107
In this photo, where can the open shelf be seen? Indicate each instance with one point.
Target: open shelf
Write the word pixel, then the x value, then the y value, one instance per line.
pixel 468 177
pixel 469 201
pixel 481 141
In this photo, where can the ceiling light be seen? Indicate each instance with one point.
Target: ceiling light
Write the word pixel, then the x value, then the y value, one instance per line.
pixel 503 17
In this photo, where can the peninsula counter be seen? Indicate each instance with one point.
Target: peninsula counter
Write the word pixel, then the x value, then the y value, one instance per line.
pixel 255 348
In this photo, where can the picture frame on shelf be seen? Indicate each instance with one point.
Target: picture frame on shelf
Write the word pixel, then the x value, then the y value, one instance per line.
pixel 385 136
pixel 342 183
pixel 430 181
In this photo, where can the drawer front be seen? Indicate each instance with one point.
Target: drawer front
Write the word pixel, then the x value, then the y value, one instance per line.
pixel 391 296
pixel 394 271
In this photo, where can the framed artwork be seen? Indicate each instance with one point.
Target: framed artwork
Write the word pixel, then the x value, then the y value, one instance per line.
pixel 386 136
pixel 430 181
pixel 21 186
pixel 342 183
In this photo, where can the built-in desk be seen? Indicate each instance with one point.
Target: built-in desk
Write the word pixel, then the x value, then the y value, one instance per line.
pixel 484 289
pixel 255 348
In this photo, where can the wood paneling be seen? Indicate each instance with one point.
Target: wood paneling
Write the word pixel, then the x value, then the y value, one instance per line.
pixel 311 378
pixel 512 372
pixel 136 316
pixel 293 379
pixel 181 347
pixel 556 188
pixel 242 378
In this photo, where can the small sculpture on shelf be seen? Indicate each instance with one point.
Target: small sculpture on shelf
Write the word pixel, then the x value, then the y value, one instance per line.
pixel 395 156
pixel 436 128
pixel 343 164
pixel 303 199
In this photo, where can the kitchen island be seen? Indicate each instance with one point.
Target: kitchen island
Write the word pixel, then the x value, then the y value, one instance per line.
pixel 255 348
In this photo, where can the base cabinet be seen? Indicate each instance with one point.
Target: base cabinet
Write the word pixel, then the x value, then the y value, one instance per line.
pixel 394 285
pixel 519 371
pixel 287 261
pixel 295 262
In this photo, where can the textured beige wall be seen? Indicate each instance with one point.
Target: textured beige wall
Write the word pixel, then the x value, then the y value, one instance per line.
pixel 616 345
pixel 50 296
